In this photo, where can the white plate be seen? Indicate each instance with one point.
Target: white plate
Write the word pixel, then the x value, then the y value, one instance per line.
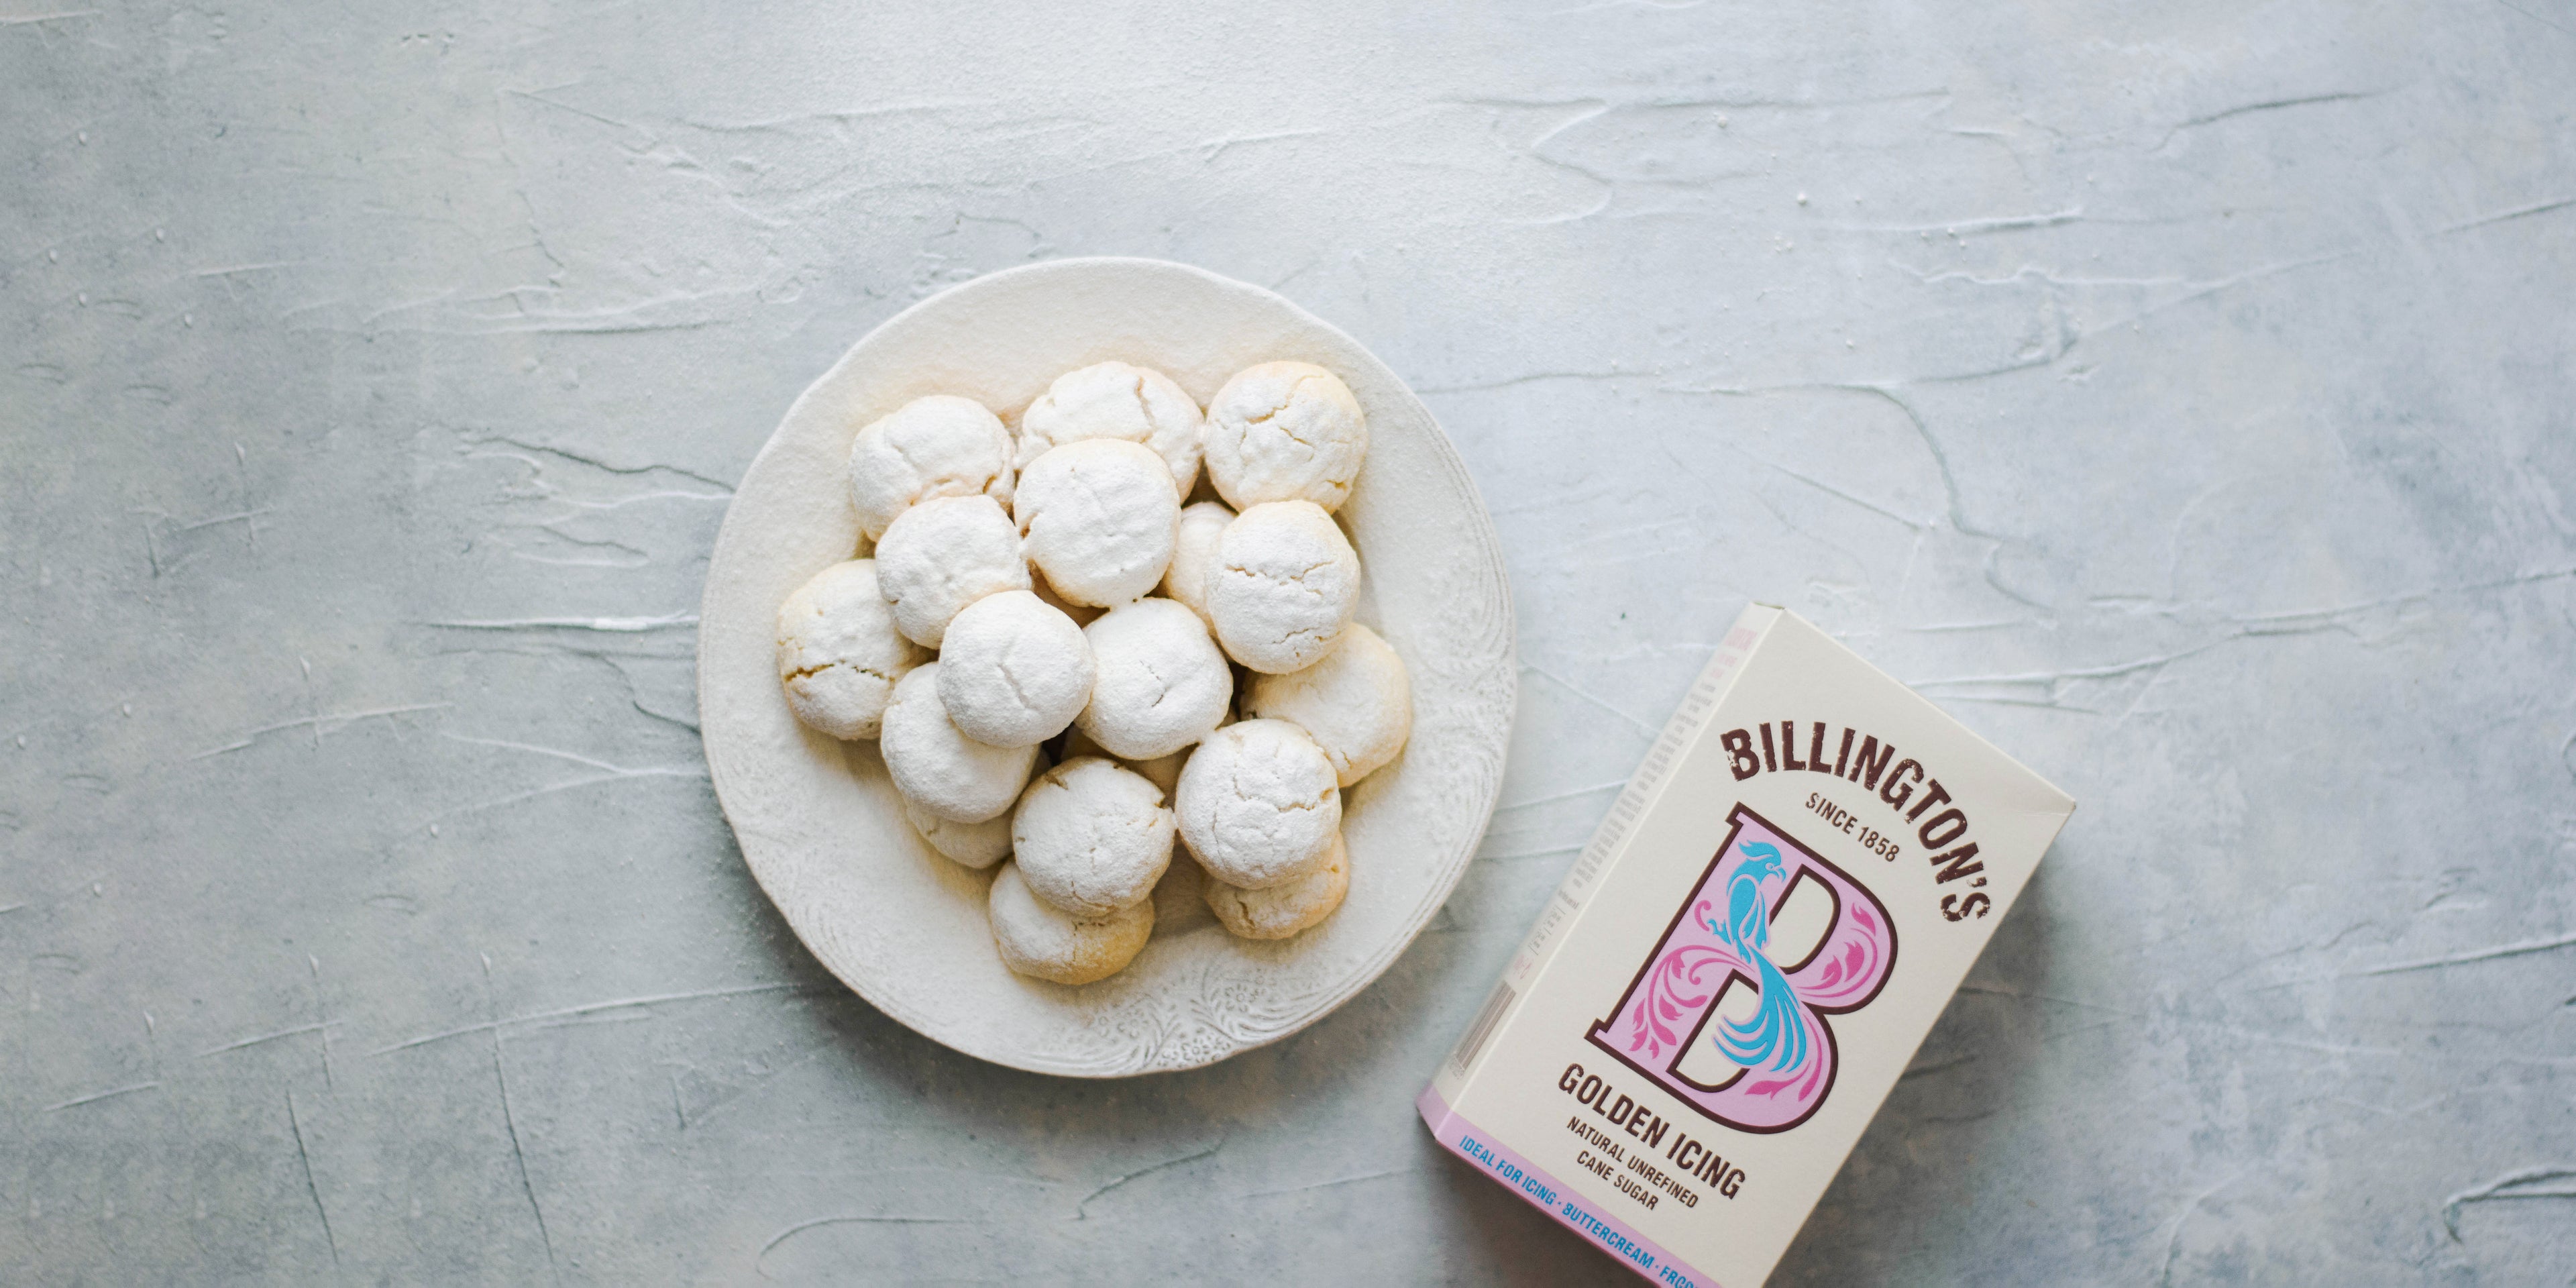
pixel 820 824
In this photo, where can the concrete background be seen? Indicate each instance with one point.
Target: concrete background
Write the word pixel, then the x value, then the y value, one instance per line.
pixel 2180 393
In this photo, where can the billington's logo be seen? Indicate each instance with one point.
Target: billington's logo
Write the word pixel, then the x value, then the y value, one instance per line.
pixel 1729 1011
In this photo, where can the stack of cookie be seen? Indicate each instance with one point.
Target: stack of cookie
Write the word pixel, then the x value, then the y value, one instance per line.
pixel 1008 626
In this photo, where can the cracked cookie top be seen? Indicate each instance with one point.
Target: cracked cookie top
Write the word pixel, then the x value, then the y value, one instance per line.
pixel 1285 431
pixel 839 654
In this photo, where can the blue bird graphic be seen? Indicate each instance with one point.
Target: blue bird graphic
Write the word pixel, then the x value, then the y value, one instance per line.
pixel 1774 1033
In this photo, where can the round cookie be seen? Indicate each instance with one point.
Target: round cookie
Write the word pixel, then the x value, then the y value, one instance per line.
pixel 839 654
pixel 1277 912
pixel 1357 703
pixel 1258 804
pixel 1282 586
pixel 943 554
pixel 1013 671
pixel 1115 400
pixel 1285 431
pixel 975 845
pixel 1098 517
pixel 1039 941
pixel 938 767
pixel 1091 838
pixel 1161 684
pixel 1194 552
pixel 936 446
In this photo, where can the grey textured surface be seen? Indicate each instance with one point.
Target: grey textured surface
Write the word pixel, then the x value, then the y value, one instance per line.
pixel 2178 392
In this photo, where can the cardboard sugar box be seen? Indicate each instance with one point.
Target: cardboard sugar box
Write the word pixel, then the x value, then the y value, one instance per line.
pixel 1744 959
